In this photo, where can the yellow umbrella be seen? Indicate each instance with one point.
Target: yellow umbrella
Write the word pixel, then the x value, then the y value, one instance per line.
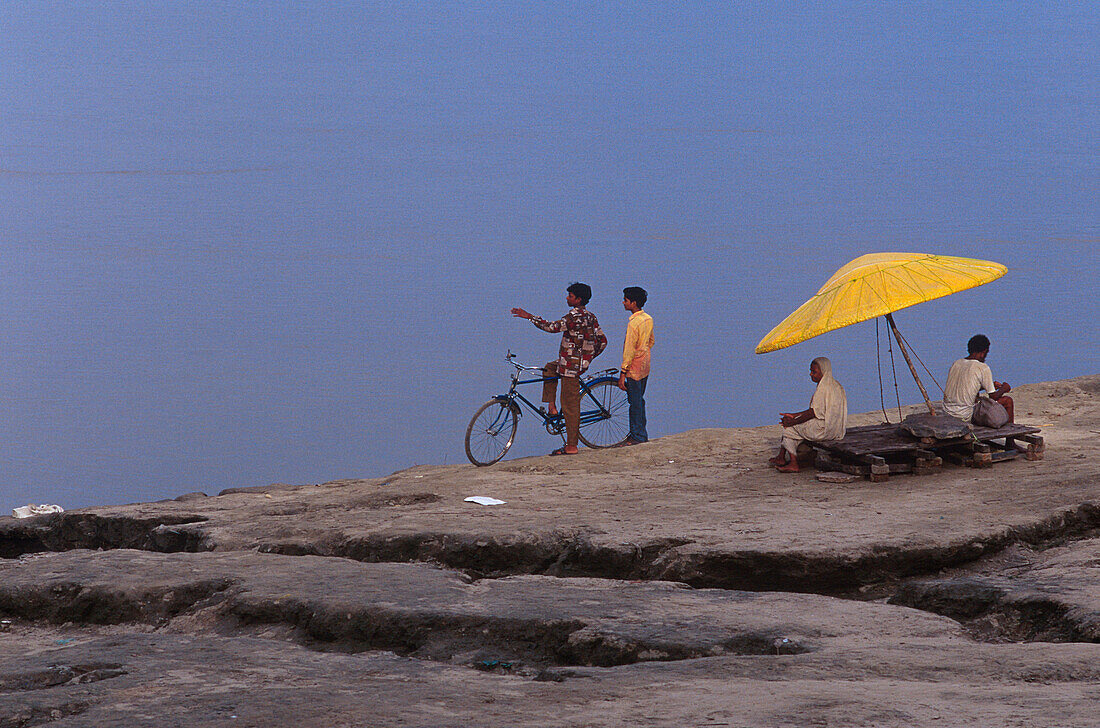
pixel 877 285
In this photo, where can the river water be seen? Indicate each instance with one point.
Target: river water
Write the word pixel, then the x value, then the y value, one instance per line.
pixel 260 243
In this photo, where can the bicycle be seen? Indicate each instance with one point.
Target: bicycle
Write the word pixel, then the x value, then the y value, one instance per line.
pixel 605 423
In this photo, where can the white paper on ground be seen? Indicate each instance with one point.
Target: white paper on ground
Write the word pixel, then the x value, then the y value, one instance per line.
pixel 35 510
pixel 483 500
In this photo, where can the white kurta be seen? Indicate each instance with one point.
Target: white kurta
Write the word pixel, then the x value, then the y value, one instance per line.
pixel 965 379
pixel 830 406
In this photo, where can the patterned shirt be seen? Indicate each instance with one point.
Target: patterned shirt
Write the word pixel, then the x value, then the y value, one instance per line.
pixel 582 339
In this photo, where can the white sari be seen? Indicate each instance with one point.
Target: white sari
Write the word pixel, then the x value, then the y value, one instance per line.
pixel 830 406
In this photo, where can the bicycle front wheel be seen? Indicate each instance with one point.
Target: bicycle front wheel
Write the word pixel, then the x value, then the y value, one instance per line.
pixel 609 424
pixel 491 431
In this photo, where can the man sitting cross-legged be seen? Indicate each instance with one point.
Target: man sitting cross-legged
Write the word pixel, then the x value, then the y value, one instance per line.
pixel 965 381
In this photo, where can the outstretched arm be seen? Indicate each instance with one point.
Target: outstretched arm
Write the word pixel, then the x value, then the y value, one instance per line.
pixel 551 326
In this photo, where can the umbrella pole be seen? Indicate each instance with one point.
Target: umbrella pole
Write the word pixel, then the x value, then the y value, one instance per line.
pixel 913 369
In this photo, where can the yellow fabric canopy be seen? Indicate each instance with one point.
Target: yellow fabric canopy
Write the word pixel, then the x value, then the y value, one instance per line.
pixel 875 285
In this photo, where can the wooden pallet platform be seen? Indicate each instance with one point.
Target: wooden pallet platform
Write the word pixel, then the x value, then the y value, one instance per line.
pixel 877 451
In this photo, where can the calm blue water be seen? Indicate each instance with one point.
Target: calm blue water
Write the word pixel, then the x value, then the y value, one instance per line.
pixel 264 242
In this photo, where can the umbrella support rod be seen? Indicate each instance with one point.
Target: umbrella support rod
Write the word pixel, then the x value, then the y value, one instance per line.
pixel 913 369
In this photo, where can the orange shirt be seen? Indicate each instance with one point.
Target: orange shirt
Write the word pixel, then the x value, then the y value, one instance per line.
pixel 639 340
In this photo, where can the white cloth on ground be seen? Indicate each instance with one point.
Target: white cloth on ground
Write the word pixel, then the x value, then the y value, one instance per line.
pixel 965 379
pixel 32 509
pixel 830 406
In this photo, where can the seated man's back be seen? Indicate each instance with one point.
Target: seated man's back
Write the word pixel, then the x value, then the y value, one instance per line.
pixel 966 379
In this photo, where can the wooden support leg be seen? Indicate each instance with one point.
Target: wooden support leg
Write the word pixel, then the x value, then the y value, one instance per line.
pixel 983 456
pixel 927 462
pixel 960 457
pixel 1034 448
pixel 880 469
pixel 824 462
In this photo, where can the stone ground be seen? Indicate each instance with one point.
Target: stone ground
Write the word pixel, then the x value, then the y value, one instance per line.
pixel 678 583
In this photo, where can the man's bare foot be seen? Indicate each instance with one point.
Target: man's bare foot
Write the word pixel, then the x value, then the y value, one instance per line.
pixel 777 460
pixel 791 467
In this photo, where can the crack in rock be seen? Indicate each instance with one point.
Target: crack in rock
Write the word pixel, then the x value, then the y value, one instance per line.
pixel 424 612
pixel 1051 595
pixel 42 714
pixel 576 555
pixel 999 613
pixel 74 600
pixel 66 531
pixel 56 675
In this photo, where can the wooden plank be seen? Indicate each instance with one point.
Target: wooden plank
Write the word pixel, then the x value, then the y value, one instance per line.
pixel 863 445
pixel 877 451
pixel 872 439
pixel 1010 430
pixel 826 462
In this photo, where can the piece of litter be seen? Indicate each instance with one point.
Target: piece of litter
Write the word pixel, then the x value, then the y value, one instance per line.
pixel 671 461
pixel 36 510
pixel 267 495
pixel 483 500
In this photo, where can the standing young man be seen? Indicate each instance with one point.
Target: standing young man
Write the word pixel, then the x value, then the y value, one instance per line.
pixel 635 371
pixel 582 340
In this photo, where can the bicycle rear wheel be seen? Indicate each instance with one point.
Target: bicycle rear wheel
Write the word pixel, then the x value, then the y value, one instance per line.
pixel 491 432
pixel 610 425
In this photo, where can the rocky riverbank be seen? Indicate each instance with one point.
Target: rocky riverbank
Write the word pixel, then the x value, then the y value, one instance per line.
pixel 678 583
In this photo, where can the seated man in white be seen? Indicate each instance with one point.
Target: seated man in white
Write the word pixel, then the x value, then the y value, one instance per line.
pixel 966 380
pixel 826 419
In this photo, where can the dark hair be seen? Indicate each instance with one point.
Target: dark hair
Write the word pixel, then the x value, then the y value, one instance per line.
pixel 977 344
pixel 581 291
pixel 636 294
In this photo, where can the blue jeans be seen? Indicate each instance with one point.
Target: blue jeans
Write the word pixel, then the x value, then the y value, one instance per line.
pixel 635 395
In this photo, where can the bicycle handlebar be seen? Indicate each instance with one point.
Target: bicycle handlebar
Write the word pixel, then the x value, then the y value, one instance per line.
pixel 511 359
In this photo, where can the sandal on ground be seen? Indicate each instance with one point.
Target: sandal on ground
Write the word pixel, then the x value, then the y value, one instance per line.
pixel 561 451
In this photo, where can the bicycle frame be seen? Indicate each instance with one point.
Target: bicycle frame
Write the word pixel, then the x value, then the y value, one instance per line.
pixel 557 422
pixel 492 429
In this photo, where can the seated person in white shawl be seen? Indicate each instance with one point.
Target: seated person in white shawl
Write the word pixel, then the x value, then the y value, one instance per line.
pixel 826 419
